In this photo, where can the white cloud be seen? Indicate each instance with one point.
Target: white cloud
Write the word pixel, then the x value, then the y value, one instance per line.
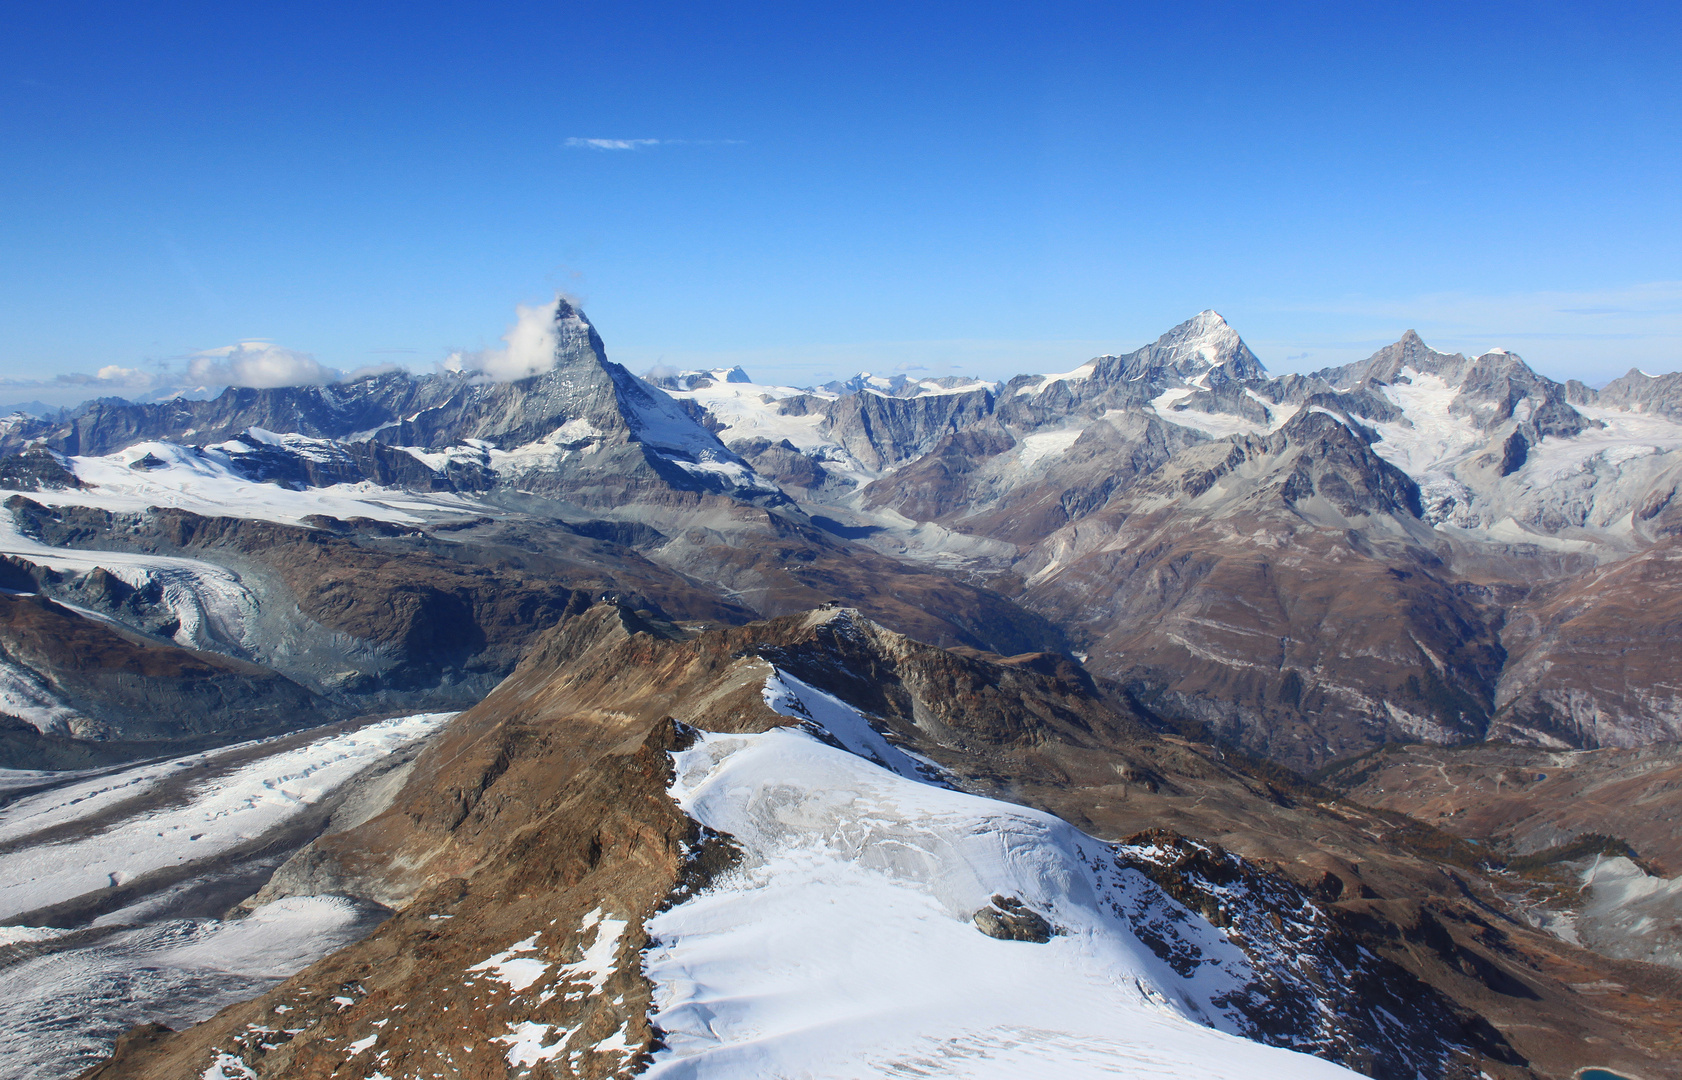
pixel 530 347
pixel 638 144
pixel 257 364
pixel 130 378
pixel 612 144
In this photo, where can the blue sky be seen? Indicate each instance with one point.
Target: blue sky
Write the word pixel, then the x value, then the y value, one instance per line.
pixel 825 188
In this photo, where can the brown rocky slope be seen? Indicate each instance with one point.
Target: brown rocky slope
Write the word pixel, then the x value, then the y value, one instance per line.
pixel 542 814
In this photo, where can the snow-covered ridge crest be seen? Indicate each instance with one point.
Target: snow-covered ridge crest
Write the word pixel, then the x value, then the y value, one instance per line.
pixel 842 945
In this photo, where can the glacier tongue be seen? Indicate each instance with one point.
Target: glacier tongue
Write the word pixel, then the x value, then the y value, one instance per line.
pixel 842 945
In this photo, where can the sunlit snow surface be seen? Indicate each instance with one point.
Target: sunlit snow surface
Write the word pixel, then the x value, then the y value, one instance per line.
pixel 842 946
pixel 217 815
pixel 60 1012
pixel 207 480
pixel 68 994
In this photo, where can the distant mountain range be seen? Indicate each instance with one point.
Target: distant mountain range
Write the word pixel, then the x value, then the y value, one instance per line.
pixel 834 686
pixel 1416 546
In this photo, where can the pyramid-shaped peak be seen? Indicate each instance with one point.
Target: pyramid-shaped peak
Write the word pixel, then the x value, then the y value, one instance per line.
pixel 1205 324
pixel 576 339
pixel 1202 342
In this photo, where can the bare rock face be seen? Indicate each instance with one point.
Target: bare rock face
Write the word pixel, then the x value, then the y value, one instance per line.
pixel 1594 661
pixel 1007 919
pixel 107 425
pixel 1281 590
pixel 34 469
pixel 975 480
pixel 400 611
pixel 883 431
pixel 1312 564
pixel 598 435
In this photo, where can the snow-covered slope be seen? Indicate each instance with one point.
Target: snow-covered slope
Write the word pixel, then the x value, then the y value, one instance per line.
pixel 843 944
pixel 213 816
pixel 72 989
pixel 1497 467
pixel 214 607
pixel 210 480
pixel 65 1004
pixel 750 411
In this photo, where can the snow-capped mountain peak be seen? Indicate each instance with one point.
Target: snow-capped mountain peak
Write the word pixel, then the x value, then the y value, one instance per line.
pixel 1203 343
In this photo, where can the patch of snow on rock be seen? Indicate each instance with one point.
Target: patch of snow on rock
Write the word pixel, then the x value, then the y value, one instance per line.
pixel 516 972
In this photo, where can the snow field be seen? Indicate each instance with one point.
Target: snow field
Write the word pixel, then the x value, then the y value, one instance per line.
pixel 220 814
pixel 1430 439
pixel 206 480
pixel 751 411
pixel 842 945
pixel 25 695
pixel 62 1010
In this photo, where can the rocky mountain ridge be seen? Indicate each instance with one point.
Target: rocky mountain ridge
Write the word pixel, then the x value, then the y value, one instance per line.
pixel 542 818
pixel 1473 486
pixel 1315 563
pixel 731 651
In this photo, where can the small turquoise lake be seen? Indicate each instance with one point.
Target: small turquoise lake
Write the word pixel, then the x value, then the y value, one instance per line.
pixel 1599 1074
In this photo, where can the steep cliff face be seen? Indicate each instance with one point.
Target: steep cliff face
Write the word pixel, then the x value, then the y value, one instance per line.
pixel 1020 487
pixel 1638 391
pixel 882 432
pixel 373 615
pixel 1492 480
pixel 1481 484
pixel 1201 349
pixel 1593 662
pixel 323 412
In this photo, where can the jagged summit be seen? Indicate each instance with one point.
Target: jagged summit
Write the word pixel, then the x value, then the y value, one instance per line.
pixel 575 334
pixel 1383 366
pixel 1641 391
pixel 1203 343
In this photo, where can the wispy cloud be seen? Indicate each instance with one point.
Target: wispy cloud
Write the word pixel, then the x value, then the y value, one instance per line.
pixel 611 144
pixel 640 144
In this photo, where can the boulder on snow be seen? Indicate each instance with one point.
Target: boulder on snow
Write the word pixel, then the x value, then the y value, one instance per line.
pixel 1007 919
